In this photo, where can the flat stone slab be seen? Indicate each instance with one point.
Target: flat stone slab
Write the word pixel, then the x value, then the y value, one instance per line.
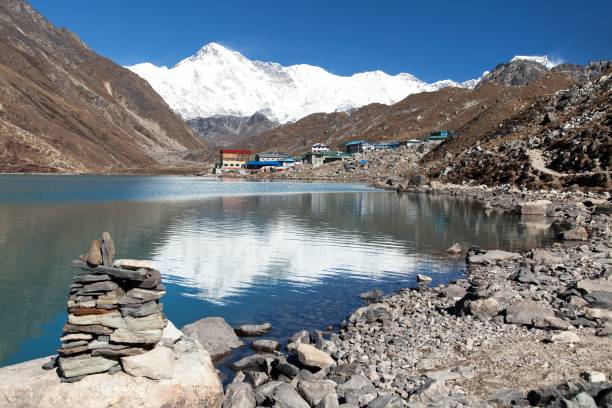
pixel 133 264
pixel 137 275
pixel 136 337
pixel 195 383
pixel 84 364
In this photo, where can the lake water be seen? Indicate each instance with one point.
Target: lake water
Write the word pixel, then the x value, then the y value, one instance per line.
pixel 294 254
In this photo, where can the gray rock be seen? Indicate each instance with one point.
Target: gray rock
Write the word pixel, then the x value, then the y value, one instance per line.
pixel 551 323
pixel 329 401
pixel 386 401
pixel 285 396
pixel 538 207
pixel 253 330
pixel 428 393
pixel 255 378
pixel 313 391
pixel 287 369
pixel 264 392
pixel 217 337
pixel 582 400
pixel 258 362
pixel 484 309
pixel 372 313
pixel 523 312
pixel 443 375
pixel 493 255
pixel 357 390
pixel 266 346
pixel 575 234
pixel 507 396
pixel 239 395
pixel 455 249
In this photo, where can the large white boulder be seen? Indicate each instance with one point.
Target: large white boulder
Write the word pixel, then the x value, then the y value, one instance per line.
pixel 194 383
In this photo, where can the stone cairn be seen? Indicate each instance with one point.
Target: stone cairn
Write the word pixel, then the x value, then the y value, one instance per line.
pixel 113 313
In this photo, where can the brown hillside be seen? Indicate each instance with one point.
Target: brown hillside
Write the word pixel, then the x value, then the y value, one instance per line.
pixel 64 108
pixel 473 112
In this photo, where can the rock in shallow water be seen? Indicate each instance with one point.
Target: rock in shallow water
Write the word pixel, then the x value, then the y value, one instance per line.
pixel 253 330
pixel 215 335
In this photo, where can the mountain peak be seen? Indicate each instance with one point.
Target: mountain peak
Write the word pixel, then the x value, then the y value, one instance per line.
pixel 540 59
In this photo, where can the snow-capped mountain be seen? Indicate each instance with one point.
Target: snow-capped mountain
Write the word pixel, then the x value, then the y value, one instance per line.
pixel 218 81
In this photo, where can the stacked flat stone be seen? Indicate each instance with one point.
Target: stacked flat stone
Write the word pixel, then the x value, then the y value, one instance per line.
pixel 113 312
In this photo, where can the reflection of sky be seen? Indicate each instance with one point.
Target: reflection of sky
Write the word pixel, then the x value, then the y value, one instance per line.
pixel 227 258
pixel 245 251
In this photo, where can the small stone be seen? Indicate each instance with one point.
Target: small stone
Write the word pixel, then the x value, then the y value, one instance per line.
pixel 564 337
pixel 551 323
pixel 50 365
pixel 115 369
pixel 524 311
pixel 93 329
pixel 455 249
pixel 108 249
pixel 423 278
pixel 372 295
pixel 429 393
pixel 286 396
pixel 443 375
pixel 94 257
pixel 484 309
pixel 594 376
pixel 267 346
pixel 313 391
pixel 142 310
pixel 538 207
pixel 313 357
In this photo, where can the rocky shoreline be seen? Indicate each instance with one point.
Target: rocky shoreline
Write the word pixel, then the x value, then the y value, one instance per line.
pixel 521 329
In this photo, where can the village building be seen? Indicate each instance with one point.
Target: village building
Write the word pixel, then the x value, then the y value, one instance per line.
pixel 410 143
pixel 358 146
pixel 440 135
pixel 271 156
pixel 386 146
pixel 317 159
pixel 234 159
pixel 319 147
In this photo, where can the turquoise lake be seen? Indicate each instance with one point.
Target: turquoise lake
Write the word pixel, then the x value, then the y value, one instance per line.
pixel 294 254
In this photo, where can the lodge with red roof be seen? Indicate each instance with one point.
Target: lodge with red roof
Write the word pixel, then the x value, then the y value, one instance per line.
pixel 234 159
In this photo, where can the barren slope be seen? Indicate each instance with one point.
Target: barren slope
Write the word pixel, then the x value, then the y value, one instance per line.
pixel 63 108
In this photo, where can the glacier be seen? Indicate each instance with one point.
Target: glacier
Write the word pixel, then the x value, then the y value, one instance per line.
pixel 219 81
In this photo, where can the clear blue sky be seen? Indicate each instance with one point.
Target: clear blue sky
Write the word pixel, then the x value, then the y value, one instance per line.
pixel 430 39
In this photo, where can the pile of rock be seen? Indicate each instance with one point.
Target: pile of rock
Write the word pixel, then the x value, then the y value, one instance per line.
pixel 113 313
